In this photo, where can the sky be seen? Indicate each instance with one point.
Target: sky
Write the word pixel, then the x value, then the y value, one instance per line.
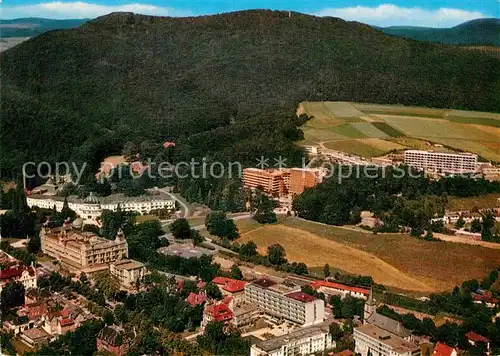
pixel 431 13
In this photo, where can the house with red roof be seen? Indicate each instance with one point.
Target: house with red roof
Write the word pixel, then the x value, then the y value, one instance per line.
pixel 231 287
pixel 333 288
pixel 486 298
pixel 217 312
pixel 475 338
pixel 441 349
pixel 18 273
pixel 168 144
pixel 195 299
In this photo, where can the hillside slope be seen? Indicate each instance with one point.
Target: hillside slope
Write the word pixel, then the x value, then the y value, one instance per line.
pixel 225 84
pixel 479 32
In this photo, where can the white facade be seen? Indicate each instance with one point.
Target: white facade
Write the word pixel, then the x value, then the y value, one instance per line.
pixel 13 274
pixel 445 162
pixel 375 341
pixel 281 302
pixel 87 210
pixel 304 341
pixel 128 272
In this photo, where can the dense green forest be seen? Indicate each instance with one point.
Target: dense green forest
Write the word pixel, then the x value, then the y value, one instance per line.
pixel 479 32
pixel 226 86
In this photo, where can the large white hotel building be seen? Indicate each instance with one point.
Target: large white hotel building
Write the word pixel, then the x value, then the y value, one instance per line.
pixel 285 302
pixel 441 161
pixel 92 206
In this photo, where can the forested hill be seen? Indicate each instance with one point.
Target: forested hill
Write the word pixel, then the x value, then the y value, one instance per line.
pixel 225 84
pixel 479 32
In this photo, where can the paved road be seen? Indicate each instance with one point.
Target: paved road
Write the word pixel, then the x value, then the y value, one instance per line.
pixel 184 206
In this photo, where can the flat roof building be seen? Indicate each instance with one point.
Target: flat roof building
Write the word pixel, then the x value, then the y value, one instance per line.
pixel 128 272
pixel 271 180
pixel 441 161
pixel 284 301
pixel 372 340
pixel 304 341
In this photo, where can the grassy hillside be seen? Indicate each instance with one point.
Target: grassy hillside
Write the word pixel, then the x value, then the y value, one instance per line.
pixel 32 26
pixel 480 32
pixel 225 85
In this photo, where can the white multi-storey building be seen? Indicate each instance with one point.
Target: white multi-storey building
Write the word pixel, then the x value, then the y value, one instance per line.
pixel 441 161
pixel 92 207
pixel 303 341
pixel 128 272
pixel 372 340
pixel 286 302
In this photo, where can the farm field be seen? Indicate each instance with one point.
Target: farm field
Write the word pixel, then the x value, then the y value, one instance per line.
pixel 345 126
pixel 484 201
pixel 395 260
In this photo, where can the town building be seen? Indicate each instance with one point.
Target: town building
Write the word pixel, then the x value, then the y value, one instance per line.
pixel 18 273
pixel 112 339
pixel 128 272
pixel 195 299
pixel 270 180
pixel 244 314
pixel 231 287
pixel 284 301
pixel 78 250
pixel 312 150
pixel 302 178
pixel 333 288
pixel 382 336
pixel 92 206
pixel 35 338
pixel 303 341
pixel 474 339
pixel 217 312
pixel 370 339
pixel 441 161
pixel 442 349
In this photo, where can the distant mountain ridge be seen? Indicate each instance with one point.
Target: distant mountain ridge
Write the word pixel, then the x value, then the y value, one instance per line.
pixel 479 32
pixel 34 26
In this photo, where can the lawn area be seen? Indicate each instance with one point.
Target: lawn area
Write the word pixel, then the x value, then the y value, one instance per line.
pixel 369 129
pixel 395 260
pixel 388 129
pixel 484 201
pixel 355 147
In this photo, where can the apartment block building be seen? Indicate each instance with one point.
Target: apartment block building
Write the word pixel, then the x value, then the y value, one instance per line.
pixel 302 178
pixel 276 182
pixel 78 250
pixel 303 341
pixel 286 302
pixel 271 180
pixel 441 161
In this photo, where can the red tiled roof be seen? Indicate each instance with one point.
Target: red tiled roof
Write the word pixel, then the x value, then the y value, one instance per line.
pixel 219 312
pixel 334 285
pixel 66 321
pixel 12 272
pixel 472 336
pixel 442 350
pixel 345 353
pixel 195 299
pixel 200 284
pixel 301 297
pixel 484 298
pixel 167 144
pixel 227 299
pixel 229 284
